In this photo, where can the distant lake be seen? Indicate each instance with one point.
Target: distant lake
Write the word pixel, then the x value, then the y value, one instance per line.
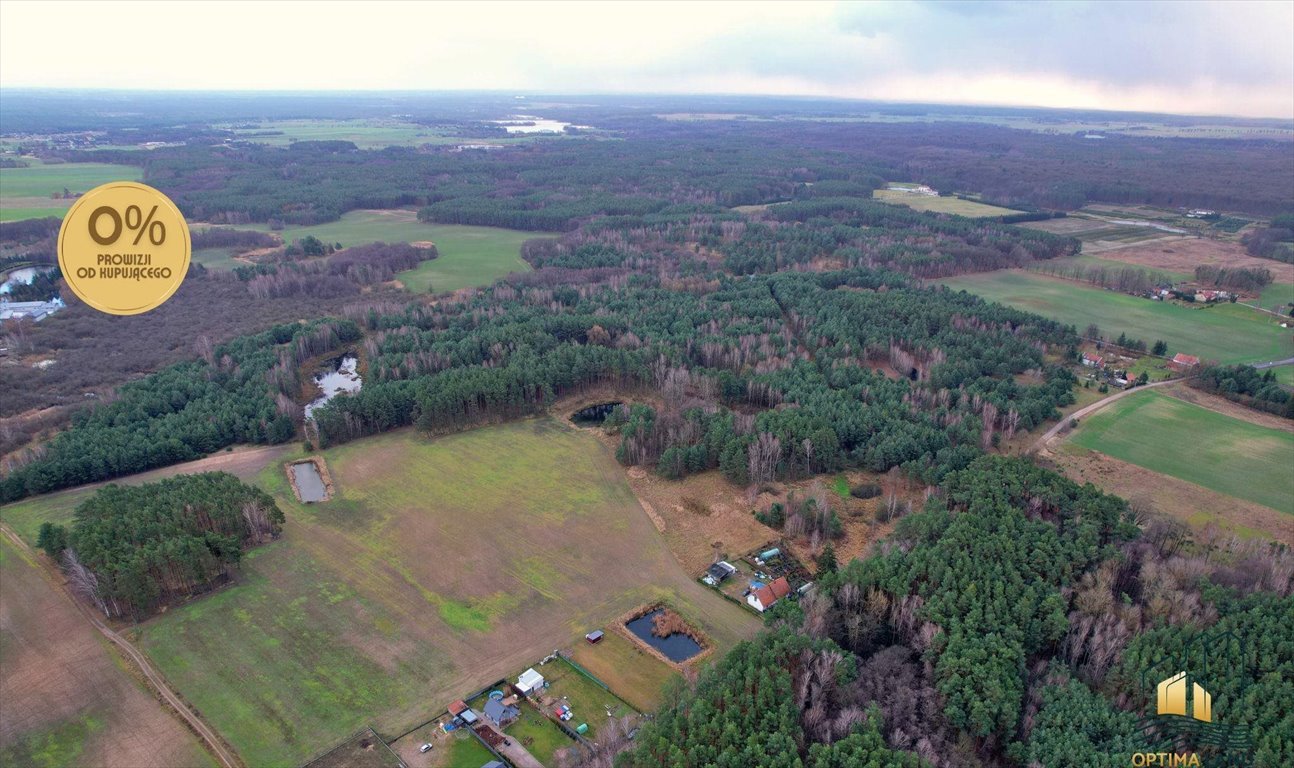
pixel 532 124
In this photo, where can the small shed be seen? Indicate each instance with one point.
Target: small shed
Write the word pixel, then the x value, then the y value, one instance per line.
pixel 717 572
pixel 530 682
pixel 594 637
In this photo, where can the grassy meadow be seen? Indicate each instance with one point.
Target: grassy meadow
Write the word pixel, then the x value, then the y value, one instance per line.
pixel 25 193
pixel 439 566
pixel 952 205
pixel 1227 333
pixel 1201 446
pixel 365 134
pixel 469 256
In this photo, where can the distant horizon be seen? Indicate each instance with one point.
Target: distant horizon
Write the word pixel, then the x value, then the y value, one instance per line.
pixel 1182 58
pixel 631 94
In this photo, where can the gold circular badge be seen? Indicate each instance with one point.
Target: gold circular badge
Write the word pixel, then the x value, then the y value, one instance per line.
pixel 124 248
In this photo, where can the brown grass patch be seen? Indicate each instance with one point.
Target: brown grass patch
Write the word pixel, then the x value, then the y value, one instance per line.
pixel 57 670
pixel 1184 254
pixel 1194 505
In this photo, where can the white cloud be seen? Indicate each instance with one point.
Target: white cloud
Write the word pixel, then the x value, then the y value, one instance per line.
pixel 1224 57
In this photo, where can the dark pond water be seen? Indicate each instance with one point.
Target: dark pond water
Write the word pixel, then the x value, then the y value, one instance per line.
pixel 594 414
pixel 339 376
pixel 310 486
pixel 676 647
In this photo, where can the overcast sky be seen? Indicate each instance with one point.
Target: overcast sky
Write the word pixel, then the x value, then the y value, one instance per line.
pixel 1190 57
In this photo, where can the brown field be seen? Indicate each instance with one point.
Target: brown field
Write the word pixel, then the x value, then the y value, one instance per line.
pixel 67 698
pixel 1184 254
pixel 1194 505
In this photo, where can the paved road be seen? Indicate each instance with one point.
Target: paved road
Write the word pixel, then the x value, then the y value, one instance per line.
pixel 1273 363
pixel 1041 442
pixel 155 679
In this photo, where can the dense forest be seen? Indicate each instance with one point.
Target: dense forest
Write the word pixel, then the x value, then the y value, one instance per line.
pixel 133 548
pixel 1015 620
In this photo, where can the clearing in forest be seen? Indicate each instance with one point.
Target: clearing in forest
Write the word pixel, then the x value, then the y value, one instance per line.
pixel 1227 333
pixel 469 256
pixel 952 205
pixel 440 565
pixel 1186 441
pixel 26 193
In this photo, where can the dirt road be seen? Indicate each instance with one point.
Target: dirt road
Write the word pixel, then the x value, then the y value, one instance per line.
pixel 1047 436
pixel 155 680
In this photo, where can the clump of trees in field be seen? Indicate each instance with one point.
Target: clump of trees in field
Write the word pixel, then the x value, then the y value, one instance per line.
pixel 1248 386
pixel 1242 279
pixel 131 549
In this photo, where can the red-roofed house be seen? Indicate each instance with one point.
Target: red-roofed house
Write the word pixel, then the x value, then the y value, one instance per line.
pixel 1093 361
pixel 763 598
pixel 458 708
pixel 1183 362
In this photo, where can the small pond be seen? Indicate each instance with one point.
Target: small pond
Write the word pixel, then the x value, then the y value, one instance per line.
pixel 339 376
pixel 594 415
pixel 22 276
pixel 677 647
pixel 310 486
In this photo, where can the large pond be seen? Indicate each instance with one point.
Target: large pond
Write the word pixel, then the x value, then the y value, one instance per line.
pixel 532 124
pixel 310 486
pixel 677 647
pixel 339 376
pixel 22 276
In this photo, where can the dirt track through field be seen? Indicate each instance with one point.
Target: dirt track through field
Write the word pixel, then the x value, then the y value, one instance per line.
pixel 155 680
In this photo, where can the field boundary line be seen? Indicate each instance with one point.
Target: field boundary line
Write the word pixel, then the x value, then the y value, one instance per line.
pixel 154 678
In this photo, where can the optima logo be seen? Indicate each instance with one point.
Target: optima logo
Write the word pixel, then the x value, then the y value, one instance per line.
pixel 1183 732
pixel 1172 699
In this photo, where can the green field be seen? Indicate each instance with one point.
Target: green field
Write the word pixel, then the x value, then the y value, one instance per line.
pixel 440 566
pixel 1285 374
pixel 1227 333
pixel 8 213
pixel 469 256
pixel 25 192
pixel 952 205
pixel 217 258
pixel 1197 445
pixel 365 134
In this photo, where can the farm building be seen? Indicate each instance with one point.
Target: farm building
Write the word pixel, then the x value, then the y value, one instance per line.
pixel 499 713
pixel 717 572
pixel 33 310
pixel 1182 361
pixel 762 598
pixel 594 637
pixel 530 682
pixel 1093 361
